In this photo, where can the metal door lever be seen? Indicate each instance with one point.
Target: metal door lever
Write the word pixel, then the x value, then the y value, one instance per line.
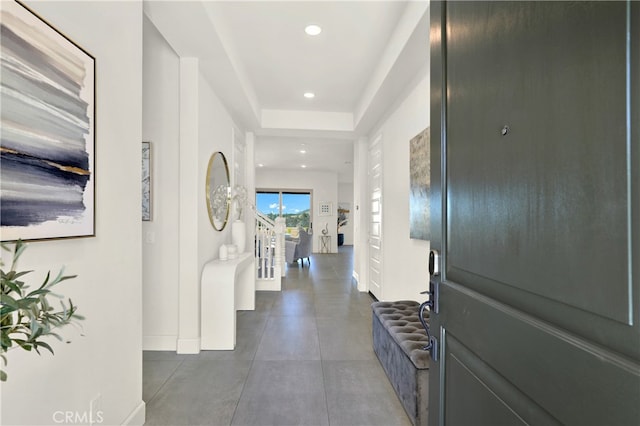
pixel 432 345
pixel 431 303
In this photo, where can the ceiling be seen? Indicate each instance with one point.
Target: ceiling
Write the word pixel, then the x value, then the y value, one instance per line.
pixel 260 62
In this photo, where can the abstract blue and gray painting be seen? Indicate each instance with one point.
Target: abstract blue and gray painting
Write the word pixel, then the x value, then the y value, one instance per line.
pixel 45 165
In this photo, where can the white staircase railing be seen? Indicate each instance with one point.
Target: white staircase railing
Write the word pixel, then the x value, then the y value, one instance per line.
pixel 269 251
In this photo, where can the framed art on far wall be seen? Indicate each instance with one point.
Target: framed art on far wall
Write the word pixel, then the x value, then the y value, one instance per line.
pixel 146 181
pixel 47 174
pixel 419 185
pixel 325 208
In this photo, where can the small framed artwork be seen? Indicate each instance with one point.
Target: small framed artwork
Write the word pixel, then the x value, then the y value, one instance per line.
pixel 325 209
pixel 146 181
pixel 47 182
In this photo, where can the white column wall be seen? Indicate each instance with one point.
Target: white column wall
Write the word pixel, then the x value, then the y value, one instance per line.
pixel 361 216
pixel 189 292
pixel 160 236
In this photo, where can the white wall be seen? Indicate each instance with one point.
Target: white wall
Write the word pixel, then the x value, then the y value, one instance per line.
pixel 405 260
pixel 107 360
pixel 216 134
pixel 345 197
pixel 325 188
pixel 160 126
pixel 186 123
pixel 361 214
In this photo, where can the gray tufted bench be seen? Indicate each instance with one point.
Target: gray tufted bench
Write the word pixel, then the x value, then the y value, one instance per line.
pixel 398 339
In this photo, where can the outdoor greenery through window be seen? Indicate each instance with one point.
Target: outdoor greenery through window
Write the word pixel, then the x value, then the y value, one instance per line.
pixel 295 207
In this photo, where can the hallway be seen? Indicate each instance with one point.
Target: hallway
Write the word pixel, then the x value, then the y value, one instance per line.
pixel 303 357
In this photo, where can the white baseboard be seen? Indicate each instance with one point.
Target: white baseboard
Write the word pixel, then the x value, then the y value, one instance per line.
pixel 159 343
pixel 362 285
pixel 137 416
pixel 188 346
pixel 268 285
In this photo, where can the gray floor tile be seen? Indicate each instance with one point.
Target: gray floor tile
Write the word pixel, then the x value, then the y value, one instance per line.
pixel 342 339
pixel 289 338
pixel 303 357
pixel 284 378
pixel 273 410
pixel 247 341
pixel 358 393
pixel 330 286
pixel 200 392
pixel 298 303
pixel 265 300
pixel 154 374
pixel 251 320
pixel 163 356
pixel 283 393
pixel 365 410
pixel 330 305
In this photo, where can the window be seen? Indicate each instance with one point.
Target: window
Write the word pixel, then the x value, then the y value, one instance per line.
pixel 295 207
pixel 268 203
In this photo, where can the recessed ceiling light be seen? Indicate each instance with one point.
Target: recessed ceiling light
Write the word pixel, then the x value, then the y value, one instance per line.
pixel 309 95
pixel 313 30
pixel 304 166
pixel 303 151
pixel 260 165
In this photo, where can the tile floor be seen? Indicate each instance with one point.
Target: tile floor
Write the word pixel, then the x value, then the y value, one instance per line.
pixel 303 357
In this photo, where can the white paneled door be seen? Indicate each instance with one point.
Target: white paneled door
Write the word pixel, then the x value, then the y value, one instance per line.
pixel 375 220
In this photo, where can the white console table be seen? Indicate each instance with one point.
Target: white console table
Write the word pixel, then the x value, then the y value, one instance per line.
pixel 226 287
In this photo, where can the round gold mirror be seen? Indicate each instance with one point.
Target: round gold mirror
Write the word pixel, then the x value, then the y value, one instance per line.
pixel 217 188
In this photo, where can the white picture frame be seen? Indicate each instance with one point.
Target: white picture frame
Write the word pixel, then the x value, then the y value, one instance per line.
pixel 325 208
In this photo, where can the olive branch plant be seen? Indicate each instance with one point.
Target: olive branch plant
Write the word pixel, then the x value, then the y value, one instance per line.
pixel 26 316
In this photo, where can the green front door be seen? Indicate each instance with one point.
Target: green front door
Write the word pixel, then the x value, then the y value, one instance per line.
pixel 535 120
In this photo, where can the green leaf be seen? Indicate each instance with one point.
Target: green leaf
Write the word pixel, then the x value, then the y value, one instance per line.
pixel 6 342
pixel 25 303
pixel 7 310
pixel 46 346
pixel 5 299
pixel 36 329
pixel 40 291
pixel 18 250
pixel 19 274
pixel 59 278
pixel 3 376
pixel 23 344
pixel 46 279
pixel 44 303
pixel 13 286
pixel 67 277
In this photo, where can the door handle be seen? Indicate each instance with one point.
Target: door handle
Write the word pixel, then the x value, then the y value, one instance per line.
pixel 432 344
pixel 432 303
